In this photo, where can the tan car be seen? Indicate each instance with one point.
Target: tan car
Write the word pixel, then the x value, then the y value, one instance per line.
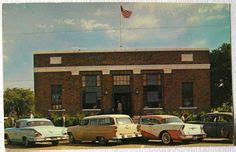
pixel 103 128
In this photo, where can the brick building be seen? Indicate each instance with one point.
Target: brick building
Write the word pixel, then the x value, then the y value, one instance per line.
pixel 128 81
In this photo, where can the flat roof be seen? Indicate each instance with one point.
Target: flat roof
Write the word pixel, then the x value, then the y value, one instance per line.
pixel 33 119
pixel 119 50
pixel 107 116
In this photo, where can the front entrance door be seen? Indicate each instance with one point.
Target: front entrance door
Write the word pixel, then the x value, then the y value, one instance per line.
pixel 122 103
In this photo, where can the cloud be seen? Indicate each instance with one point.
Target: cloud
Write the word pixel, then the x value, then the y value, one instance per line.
pixel 145 21
pixel 65 21
pixel 44 26
pixel 69 21
pixel 93 24
pixel 199 44
pixel 216 17
pixel 101 13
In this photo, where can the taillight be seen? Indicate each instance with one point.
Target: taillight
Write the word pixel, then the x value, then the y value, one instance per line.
pixel 37 134
pixel 115 127
pixel 138 128
pixel 202 130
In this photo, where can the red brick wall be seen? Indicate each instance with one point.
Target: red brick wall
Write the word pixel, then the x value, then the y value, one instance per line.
pixel 120 58
pixel 70 91
pixel 173 88
pixel 71 84
pixel 172 100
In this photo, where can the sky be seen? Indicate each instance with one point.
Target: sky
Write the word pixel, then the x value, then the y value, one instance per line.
pixel 29 28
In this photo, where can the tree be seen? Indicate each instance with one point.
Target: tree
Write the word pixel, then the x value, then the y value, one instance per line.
pixel 18 100
pixel 221 75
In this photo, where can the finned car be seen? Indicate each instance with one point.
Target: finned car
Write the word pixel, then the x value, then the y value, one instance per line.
pixel 103 128
pixel 169 128
pixel 216 124
pixel 29 131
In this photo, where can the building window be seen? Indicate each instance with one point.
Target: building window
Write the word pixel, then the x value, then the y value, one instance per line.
pixel 121 80
pixel 187 94
pixel 91 91
pixel 56 93
pixel 152 87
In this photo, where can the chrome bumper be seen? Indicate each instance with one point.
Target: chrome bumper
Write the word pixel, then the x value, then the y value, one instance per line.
pixel 127 136
pixel 45 139
pixel 192 137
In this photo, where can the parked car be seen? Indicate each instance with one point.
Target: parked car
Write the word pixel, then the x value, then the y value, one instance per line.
pixel 169 128
pixel 29 131
pixel 216 124
pixel 103 128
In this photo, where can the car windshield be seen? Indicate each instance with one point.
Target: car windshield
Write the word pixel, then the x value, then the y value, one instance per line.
pixel 172 120
pixel 39 123
pixel 123 121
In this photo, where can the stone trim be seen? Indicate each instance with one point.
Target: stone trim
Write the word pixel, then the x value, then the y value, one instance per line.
pixel 52 110
pixel 107 68
pixel 123 50
pixel 187 108
pixel 55 60
pixel 91 110
pixel 186 57
pixel 152 108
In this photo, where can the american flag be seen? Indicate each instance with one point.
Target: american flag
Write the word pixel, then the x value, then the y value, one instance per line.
pixel 125 13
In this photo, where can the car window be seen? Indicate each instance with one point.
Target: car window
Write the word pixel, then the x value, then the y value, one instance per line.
pixel 150 121
pixel 123 121
pixel 85 122
pixel 22 124
pixel 224 118
pixel 39 123
pixel 18 124
pixel 93 122
pixel 209 119
pixel 106 121
pixel 172 120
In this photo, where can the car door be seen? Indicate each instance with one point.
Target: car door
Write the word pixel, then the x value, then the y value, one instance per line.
pixel 209 125
pixel 222 121
pixel 80 131
pixel 148 128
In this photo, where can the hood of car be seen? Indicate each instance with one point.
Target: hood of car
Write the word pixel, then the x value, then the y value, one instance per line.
pixel 50 131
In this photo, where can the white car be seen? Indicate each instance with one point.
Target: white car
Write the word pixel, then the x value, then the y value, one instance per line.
pixel 29 131
pixel 169 128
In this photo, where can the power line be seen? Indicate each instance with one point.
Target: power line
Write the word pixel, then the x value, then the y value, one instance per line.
pixel 116 29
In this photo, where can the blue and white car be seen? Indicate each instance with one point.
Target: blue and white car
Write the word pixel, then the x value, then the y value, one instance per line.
pixel 29 131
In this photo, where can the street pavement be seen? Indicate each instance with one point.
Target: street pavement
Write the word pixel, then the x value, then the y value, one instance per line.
pixel 112 145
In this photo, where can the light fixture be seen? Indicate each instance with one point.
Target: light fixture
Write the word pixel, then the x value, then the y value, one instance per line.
pixel 106 92
pixel 137 91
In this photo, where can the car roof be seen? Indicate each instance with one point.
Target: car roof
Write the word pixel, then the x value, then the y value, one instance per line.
pixel 33 119
pixel 108 116
pixel 220 113
pixel 156 116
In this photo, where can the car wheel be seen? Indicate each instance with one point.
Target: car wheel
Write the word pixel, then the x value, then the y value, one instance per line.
pixel 166 138
pixel 126 141
pixel 26 142
pixel 8 140
pixel 230 136
pixel 55 143
pixel 102 141
pixel 71 138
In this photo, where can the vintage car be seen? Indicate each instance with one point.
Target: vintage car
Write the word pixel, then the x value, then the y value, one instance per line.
pixel 29 131
pixel 103 128
pixel 169 128
pixel 216 124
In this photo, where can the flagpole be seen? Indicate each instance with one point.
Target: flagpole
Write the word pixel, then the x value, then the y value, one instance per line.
pixel 120 29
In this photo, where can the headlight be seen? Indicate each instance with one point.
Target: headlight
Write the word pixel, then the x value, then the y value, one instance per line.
pixel 37 134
